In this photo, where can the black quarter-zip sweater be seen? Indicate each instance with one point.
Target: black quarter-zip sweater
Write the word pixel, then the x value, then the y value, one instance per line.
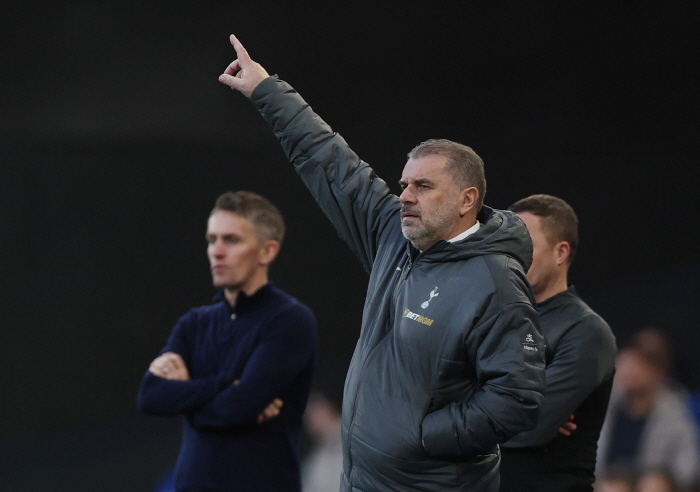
pixel 580 355
pixel 266 342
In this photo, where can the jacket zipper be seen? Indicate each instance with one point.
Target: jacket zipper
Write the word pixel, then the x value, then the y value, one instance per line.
pixel 402 278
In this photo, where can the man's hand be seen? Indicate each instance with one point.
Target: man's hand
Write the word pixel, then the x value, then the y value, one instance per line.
pixel 243 74
pixel 170 366
pixel 568 427
pixel 272 410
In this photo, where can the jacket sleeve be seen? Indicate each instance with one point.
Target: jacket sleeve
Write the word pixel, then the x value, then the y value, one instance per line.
pixel 159 396
pixel 510 368
pixel 287 349
pixel 582 361
pixel 358 203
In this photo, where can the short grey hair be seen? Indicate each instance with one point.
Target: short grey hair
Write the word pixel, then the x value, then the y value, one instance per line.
pixel 463 163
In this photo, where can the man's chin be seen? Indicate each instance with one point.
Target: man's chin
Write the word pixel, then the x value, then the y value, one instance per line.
pixel 224 284
pixel 412 233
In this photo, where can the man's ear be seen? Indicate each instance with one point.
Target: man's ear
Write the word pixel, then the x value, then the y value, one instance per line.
pixel 468 198
pixel 268 252
pixel 563 250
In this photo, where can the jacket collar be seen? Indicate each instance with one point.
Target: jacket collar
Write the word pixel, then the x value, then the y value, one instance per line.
pixel 245 302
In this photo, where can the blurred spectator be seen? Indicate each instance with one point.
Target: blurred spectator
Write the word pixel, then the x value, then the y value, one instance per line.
pixel 615 481
pixel 321 471
pixel 648 426
pixel 620 481
pixel 655 482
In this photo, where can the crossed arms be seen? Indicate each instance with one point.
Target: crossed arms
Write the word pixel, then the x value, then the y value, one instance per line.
pixel 172 367
pixel 227 397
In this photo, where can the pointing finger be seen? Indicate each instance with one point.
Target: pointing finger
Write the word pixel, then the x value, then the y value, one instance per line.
pixel 240 50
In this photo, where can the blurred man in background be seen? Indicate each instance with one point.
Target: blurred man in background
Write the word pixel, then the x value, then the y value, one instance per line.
pixel 324 464
pixel 240 369
pixel 649 428
pixel 580 352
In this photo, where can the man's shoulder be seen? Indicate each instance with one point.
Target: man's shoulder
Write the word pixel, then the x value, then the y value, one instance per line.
pixel 216 306
pixel 580 314
pixel 569 317
pixel 505 276
pixel 285 301
pixel 198 312
pixel 284 305
pixel 197 318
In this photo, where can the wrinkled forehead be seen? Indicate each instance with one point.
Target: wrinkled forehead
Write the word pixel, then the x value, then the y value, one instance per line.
pixel 431 167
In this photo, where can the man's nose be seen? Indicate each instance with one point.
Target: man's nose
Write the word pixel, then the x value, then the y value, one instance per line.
pixel 217 249
pixel 407 196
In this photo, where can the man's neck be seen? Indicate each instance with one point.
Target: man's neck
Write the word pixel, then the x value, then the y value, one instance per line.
pixel 462 225
pixel 249 289
pixel 554 288
pixel 465 233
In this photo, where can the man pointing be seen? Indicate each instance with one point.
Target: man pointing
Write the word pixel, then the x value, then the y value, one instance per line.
pixel 450 359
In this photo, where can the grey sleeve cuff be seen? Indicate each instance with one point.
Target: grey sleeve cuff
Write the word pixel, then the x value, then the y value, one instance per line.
pixel 263 90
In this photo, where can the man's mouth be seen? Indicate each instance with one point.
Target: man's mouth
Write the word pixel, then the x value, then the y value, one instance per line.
pixel 409 213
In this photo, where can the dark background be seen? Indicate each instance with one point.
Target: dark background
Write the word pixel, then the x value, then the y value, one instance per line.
pixel 117 137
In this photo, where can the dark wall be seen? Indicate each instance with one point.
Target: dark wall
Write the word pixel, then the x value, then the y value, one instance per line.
pixel 117 138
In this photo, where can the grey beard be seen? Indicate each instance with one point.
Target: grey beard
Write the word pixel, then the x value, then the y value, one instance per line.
pixel 416 237
pixel 431 230
pixel 424 237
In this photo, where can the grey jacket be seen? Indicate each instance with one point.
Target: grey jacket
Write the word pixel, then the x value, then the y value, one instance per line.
pixel 450 359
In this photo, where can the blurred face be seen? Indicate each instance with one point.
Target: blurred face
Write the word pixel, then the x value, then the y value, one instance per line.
pixel 544 270
pixel 233 250
pixel 654 482
pixel 613 485
pixel 634 373
pixel 320 417
pixel 429 201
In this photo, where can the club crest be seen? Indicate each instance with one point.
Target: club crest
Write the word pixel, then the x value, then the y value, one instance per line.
pixel 433 293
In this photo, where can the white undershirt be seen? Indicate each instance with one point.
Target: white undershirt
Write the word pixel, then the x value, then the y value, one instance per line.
pixel 466 233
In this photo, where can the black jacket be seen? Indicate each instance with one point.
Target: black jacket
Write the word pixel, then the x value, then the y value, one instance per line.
pixel 436 381
pixel 580 367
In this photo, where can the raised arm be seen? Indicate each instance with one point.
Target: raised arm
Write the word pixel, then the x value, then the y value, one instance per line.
pixel 359 204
